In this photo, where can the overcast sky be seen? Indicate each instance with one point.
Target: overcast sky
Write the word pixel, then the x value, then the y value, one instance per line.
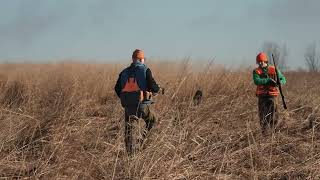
pixel 229 30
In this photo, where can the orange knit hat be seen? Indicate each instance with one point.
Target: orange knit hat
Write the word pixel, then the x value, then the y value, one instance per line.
pixel 137 54
pixel 262 57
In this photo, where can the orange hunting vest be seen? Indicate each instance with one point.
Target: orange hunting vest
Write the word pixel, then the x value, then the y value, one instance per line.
pixel 267 90
pixel 132 86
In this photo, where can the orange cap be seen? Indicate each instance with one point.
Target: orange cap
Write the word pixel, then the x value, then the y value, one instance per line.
pixel 137 54
pixel 262 57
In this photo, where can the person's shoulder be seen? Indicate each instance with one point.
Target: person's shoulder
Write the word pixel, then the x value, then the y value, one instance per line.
pixel 125 70
pixel 148 70
pixel 256 70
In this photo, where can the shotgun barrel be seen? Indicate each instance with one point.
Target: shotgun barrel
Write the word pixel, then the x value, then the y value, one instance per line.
pixel 279 83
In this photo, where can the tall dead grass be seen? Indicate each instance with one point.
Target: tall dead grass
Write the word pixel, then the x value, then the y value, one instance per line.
pixel 64 121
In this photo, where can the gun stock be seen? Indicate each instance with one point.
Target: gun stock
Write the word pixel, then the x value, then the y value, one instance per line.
pixel 279 83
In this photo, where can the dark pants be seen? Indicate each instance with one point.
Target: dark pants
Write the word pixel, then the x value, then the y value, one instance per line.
pixel 141 111
pixel 268 112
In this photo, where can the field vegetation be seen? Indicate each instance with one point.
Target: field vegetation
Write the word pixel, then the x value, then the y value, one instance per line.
pixel 64 121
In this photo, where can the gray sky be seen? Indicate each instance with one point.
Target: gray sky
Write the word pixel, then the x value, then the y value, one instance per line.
pixel 103 30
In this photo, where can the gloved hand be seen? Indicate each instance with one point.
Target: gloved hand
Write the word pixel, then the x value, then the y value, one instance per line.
pixel 272 82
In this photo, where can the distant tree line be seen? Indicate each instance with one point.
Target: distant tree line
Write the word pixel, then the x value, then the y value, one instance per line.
pixel 311 56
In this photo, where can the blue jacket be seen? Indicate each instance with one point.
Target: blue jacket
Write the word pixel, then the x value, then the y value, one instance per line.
pixel 137 70
pixel 143 75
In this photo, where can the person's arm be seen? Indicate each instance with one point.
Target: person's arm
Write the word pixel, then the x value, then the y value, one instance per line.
pixel 151 83
pixel 260 81
pixel 281 77
pixel 117 87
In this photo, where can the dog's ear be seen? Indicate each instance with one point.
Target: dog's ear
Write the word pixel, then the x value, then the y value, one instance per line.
pixel 198 93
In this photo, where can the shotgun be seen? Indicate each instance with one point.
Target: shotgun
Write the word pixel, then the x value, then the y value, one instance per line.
pixel 279 83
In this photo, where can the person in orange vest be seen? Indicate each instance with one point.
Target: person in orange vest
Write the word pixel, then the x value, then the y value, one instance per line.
pixel 132 87
pixel 264 76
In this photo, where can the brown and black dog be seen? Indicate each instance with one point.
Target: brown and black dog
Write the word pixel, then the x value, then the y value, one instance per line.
pixel 197 98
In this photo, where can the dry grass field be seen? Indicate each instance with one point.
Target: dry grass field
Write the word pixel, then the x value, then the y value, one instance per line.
pixel 64 121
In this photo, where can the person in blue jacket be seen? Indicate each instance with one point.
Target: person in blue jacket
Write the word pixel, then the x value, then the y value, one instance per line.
pixel 132 87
